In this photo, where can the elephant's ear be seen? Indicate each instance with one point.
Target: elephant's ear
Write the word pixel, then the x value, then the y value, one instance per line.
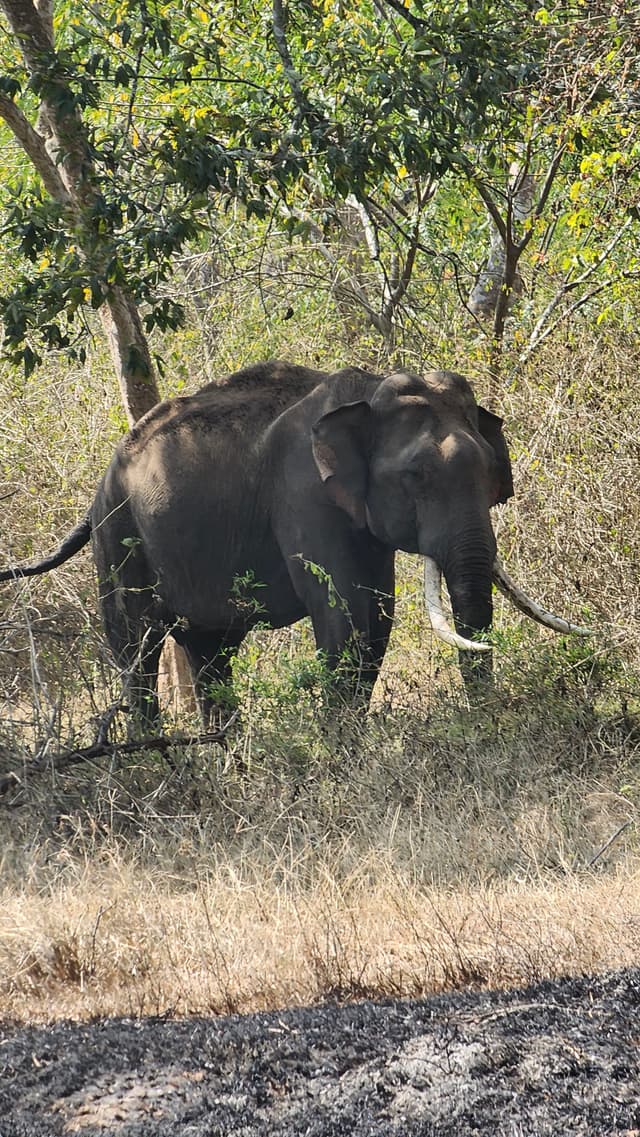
pixel 341 441
pixel 491 430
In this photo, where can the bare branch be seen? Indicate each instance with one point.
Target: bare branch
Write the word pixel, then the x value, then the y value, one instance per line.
pixel 542 328
pixel 607 845
pixel 100 749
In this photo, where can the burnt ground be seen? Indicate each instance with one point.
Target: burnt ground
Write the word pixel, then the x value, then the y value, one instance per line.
pixel 556 1058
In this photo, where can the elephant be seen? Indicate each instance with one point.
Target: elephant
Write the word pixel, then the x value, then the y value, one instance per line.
pixel 281 492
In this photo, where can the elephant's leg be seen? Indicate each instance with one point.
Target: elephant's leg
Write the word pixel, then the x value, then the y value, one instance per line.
pixel 141 681
pixel 210 657
pixel 341 594
pixel 138 662
pixel 136 642
pixel 373 638
pixel 382 609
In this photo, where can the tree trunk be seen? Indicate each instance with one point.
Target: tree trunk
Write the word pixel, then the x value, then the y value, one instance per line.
pixel 130 353
pixel 489 288
pixel 499 285
pixel 57 147
pixel 59 151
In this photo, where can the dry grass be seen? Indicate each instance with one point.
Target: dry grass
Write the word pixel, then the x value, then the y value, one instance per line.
pixel 121 940
pixel 316 859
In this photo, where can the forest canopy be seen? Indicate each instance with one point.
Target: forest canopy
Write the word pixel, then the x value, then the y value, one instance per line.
pixel 450 142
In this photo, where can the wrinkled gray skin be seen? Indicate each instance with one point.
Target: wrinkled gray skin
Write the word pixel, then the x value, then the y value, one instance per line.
pixel 277 469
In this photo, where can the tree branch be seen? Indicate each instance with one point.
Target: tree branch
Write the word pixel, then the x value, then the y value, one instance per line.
pixel 542 199
pixel 32 29
pixel 368 228
pixel 68 138
pixel 404 279
pixel 44 9
pixel 280 37
pixel 416 23
pixel 34 146
pixel 100 749
pixel 540 333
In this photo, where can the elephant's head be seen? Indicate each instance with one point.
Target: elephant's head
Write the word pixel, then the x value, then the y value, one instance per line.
pixel 420 466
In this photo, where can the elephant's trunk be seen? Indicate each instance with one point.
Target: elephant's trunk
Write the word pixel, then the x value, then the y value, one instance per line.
pixel 473 611
pixel 467 570
pixel 439 623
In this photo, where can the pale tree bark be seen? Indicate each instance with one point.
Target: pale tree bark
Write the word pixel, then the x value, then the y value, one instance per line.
pixel 499 286
pixel 57 147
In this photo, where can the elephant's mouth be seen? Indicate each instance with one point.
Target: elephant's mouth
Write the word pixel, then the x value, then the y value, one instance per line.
pixel 501 578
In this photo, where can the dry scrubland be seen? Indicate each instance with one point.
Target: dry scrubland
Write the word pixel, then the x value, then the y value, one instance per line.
pixel 426 846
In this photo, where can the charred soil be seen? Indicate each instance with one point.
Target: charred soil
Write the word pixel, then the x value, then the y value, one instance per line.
pixel 555 1058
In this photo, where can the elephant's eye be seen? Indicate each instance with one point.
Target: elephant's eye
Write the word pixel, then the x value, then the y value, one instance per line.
pixel 414 475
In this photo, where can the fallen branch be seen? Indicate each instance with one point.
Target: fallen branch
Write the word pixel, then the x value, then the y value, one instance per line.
pixel 102 748
pixel 608 844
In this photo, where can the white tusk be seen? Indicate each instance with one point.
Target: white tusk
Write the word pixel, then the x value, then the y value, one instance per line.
pixel 432 580
pixel 530 607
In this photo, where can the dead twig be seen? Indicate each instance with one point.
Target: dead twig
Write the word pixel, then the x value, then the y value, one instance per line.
pixel 608 844
pixel 105 721
pixel 66 758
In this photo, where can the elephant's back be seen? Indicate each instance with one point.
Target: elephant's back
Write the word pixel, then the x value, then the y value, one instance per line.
pixel 215 447
pixel 247 401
